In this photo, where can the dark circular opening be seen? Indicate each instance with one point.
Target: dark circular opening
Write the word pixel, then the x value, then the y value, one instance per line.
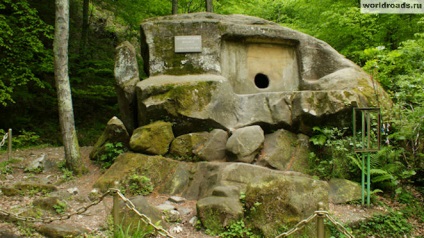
pixel 261 80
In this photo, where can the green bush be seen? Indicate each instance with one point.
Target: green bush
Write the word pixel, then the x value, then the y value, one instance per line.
pixel 393 224
pixel 333 155
pixel 112 150
pixel 237 230
pixel 139 232
pixel 139 185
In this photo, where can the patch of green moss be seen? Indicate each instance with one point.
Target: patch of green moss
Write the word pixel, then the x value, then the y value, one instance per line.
pixel 213 221
pixel 160 170
pixel 274 212
pixel 186 98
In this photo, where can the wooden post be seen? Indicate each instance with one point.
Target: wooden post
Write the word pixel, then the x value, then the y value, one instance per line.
pixel 9 148
pixel 320 221
pixel 115 210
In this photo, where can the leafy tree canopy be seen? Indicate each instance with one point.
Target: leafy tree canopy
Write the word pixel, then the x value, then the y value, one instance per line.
pixel 24 56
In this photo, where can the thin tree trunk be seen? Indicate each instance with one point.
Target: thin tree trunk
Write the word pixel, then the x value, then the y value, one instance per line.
pixel 174 7
pixel 84 28
pixel 209 5
pixel 64 98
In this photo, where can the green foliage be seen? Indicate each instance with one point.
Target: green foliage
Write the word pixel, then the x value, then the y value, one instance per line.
pixel 393 224
pixel 139 232
pixel 5 167
pixel 237 230
pixel 27 230
pixel 23 52
pixel 139 185
pixel 60 207
pixel 400 72
pixel 332 155
pixel 25 139
pixel 112 150
pixel 68 175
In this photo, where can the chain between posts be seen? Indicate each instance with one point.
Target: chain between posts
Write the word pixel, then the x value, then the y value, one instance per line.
pixel 143 217
pixel 51 219
pixel 81 210
pixel 159 230
pixel 4 139
pixel 299 226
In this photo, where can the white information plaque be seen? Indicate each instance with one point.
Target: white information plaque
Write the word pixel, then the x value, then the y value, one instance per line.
pixel 188 44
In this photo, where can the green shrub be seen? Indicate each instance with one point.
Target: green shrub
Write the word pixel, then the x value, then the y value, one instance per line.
pixel 60 207
pixel 112 150
pixel 139 232
pixel 237 230
pixel 332 155
pixel 393 224
pixel 139 185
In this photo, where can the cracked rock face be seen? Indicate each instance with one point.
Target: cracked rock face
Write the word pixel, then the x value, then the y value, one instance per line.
pixel 246 71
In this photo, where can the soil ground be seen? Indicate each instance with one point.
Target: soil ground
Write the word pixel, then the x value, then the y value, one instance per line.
pixel 95 219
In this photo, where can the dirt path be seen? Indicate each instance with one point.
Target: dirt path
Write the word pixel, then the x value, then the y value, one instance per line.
pixel 77 192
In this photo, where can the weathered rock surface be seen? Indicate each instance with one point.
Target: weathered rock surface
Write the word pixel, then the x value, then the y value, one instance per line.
pixel 276 202
pixel 343 191
pixel 114 132
pixel 47 203
pixel 284 150
pixel 126 77
pixel 61 230
pixel 154 138
pixel 249 71
pixel 37 165
pixel 245 143
pixel 218 185
pixel 127 217
pixel 218 212
pixel 183 145
pixel 214 149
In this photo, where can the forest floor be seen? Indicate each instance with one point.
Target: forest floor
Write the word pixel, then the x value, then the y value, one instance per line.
pixel 96 221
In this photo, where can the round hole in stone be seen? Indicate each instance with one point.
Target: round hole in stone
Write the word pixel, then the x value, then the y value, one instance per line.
pixel 261 80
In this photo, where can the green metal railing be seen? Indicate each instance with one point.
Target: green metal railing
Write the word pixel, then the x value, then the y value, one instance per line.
pixel 370 140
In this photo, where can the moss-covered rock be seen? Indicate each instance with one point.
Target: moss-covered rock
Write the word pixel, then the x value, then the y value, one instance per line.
pixel 48 203
pixel 286 151
pixel 218 212
pixel 183 146
pixel 154 138
pixel 274 204
pixel 343 191
pixel 114 132
pixel 128 219
pixel 167 175
pixel 34 188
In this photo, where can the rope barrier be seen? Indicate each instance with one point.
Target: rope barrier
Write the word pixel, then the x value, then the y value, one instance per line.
pixel 159 230
pixel 299 226
pixel 4 139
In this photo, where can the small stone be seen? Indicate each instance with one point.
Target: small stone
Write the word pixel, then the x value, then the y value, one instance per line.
pixel 193 221
pixel 10 177
pixel 165 207
pixel 185 211
pixel 176 199
pixel 173 216
pixel 176 229
pixel 73 191
pixel 94 195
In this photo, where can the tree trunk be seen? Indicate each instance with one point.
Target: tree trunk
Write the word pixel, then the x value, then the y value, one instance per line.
pixel 64 98
pixel 84 28
pixel 174 7
pixel 209 5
